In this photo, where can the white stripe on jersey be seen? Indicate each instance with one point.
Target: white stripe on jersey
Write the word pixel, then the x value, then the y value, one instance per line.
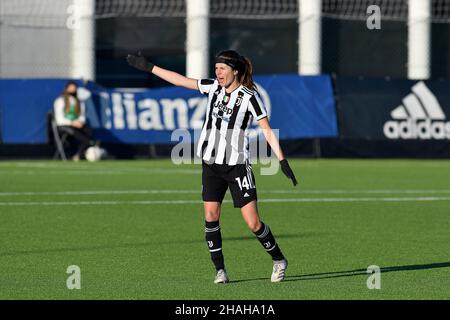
pixel 222 144
pixel 225 131
pixel 237 137
pixel 211 136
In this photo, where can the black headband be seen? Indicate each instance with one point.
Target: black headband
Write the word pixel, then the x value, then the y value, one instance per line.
pixel 233 63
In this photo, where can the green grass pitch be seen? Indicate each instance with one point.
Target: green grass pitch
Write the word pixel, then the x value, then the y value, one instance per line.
pixel 136 230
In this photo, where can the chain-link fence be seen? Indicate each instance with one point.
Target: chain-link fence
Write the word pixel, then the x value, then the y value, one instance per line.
pixel 37 36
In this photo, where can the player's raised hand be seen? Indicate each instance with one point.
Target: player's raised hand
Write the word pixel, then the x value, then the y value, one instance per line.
pixel 140 62
pixel 288 171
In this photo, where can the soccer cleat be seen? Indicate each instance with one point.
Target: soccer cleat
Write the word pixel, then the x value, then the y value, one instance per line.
pixel 221 277
pixel 278 272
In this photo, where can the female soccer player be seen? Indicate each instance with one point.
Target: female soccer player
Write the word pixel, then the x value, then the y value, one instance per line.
pixel 223 146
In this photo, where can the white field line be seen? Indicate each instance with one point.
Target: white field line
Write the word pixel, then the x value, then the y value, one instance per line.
pixel 170 202
pixel 121 171
pixel 70 168
pixel 98 192
pixel 193 191
pixel 344 163
pixel 60 173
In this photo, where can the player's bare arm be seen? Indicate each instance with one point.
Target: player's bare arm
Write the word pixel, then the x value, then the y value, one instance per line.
pixel 175 78
pixel 141 63
pixel 272 140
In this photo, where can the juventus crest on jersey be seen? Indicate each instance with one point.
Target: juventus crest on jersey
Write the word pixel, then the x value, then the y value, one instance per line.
pixel 224 136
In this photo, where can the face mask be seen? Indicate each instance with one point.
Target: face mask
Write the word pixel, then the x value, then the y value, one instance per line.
pixel 73 94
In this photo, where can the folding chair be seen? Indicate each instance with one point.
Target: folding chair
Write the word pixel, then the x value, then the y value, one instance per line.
pixel 59 139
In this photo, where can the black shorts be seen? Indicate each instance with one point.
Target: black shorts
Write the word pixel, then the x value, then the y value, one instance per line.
pixel 216 178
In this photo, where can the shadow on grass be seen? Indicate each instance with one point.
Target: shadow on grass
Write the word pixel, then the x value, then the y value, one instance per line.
pixel 75 249
pixel 280 236
pixel 139 245
pixel 355 272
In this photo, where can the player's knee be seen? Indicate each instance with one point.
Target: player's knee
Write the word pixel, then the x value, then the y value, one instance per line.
pixel 212 215
pixel 254 225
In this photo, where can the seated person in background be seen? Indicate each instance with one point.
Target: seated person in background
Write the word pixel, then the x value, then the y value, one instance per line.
pixel 70 118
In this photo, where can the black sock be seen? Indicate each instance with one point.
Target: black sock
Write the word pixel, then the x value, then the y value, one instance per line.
pixel 267 239
pixel 214 242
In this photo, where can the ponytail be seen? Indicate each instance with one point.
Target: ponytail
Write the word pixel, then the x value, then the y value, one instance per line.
pixel 247 76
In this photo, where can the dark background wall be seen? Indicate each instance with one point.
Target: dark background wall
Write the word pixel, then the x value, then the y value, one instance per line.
pixel 271 45
pixel 162 40
pixel 348 47
pixel 440 56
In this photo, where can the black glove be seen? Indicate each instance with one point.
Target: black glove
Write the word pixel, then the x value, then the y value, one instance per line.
pixel 288 171
pixel 139 62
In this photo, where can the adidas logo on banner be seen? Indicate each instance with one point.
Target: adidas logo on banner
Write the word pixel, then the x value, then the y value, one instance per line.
pixel 419 117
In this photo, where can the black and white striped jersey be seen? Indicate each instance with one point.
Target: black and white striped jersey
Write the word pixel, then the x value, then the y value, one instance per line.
pixel 224 136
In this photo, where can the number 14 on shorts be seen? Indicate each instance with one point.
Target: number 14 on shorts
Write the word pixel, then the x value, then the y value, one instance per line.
pixel 244 183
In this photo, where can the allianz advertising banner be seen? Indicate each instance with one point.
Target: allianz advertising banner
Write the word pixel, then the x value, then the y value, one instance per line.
pixel 397 110
pixel 301 107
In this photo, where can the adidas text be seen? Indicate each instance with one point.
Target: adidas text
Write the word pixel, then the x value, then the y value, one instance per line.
pixel 419 117
pixel 414 129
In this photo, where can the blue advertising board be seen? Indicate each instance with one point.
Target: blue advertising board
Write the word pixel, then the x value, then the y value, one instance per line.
pixel 300 107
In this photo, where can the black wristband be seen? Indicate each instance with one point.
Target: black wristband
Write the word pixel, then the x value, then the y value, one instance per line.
pixel 150 66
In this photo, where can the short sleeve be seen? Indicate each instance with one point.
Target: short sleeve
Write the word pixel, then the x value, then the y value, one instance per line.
pixel 205 85
pixel 257 108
